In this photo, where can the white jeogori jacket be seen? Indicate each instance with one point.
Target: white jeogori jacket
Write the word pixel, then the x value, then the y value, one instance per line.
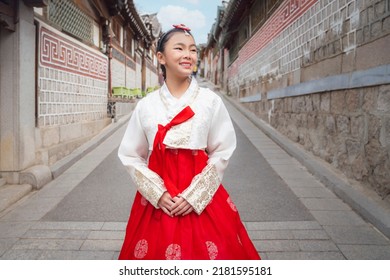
pixel 210 129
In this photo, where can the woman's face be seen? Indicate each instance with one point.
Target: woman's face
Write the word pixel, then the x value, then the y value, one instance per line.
pixel 180 55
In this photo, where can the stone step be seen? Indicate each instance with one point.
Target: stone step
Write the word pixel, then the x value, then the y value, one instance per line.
pixel 2 182
pixel 9 194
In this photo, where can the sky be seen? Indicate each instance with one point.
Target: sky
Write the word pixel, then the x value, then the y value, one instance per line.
pixel 199 15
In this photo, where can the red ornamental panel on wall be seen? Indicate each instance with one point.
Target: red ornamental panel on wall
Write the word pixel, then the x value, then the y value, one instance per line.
pixel 284 16
pixel 60 53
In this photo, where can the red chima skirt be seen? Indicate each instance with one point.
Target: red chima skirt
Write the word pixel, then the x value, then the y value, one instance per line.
pixel 216 234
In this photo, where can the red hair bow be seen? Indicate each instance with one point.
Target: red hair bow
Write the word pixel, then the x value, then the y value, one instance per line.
pixel 182 26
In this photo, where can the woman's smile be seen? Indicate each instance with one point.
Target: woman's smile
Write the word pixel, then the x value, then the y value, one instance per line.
pixel 186 65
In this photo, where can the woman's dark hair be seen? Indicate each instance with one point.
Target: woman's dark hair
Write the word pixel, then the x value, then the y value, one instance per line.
pixel 164 39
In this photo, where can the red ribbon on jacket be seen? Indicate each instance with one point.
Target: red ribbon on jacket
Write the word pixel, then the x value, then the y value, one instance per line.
pixel 156 160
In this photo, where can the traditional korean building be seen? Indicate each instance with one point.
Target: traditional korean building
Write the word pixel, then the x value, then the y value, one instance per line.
pixel 318 72
pixel 214 51
pixel 59 61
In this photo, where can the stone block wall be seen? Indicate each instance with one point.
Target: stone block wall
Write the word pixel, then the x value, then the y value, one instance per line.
pixel 350 129
pixel 322 79
pixel 66 98
pixel 72 85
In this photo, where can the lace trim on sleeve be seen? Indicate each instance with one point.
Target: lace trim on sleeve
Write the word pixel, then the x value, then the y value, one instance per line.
pixel 150 185
pixel 202 188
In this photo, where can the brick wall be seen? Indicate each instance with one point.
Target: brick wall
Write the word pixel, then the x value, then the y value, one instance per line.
pixel 72 84
pixel 302 72
pixel 72 81
pixel 326 29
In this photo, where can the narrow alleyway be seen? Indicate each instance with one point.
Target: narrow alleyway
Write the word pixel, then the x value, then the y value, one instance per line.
pixel 289 214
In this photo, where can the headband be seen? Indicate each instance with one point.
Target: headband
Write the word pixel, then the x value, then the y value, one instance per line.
pixel 175 27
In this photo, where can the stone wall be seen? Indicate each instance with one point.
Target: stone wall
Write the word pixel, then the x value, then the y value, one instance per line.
pixel 323 81
pixel 350 129
pixel 72 85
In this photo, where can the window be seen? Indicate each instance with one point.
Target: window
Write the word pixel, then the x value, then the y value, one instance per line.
pixel 116 29
pixel 258 15
pixel 71 19
pixel 243 33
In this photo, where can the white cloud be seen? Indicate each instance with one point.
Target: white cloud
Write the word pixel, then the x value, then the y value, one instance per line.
pixel 195 2
pixel 169 15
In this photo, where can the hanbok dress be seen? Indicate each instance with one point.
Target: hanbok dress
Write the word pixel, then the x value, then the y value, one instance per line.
pixel 182 146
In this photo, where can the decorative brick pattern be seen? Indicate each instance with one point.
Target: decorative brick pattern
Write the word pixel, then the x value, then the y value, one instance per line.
pixel 287 13
pixel 61 53
pixel 72 81
pixel 317 31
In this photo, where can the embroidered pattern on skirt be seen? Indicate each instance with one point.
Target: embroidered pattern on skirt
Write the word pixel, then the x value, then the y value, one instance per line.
pixel 141 249
pixel 173 252
pixel 212 249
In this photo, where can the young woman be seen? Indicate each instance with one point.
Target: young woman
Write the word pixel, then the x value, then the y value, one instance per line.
pixel 176 148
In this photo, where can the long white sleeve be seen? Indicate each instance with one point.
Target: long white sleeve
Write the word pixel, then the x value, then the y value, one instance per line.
pixel 221 141
pixel 133 152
